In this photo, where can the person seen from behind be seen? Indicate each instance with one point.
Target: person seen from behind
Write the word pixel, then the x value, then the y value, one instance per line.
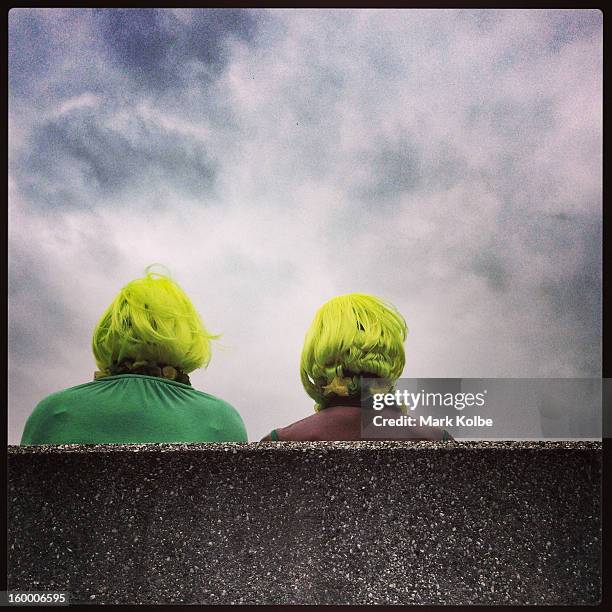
pixel 352 338
pixel 147 342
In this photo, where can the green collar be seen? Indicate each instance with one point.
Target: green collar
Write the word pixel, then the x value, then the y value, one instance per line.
pixel 144 368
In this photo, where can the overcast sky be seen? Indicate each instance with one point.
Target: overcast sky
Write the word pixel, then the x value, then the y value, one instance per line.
pixel 448 161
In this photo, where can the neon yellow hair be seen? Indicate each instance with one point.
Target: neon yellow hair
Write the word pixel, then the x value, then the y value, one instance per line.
pixel 153 320
pixel 351 335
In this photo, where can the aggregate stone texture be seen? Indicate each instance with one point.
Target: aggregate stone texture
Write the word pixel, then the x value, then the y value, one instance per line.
pixel 308 522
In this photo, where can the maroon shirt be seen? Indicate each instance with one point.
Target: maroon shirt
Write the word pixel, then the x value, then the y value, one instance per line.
pixel 345 423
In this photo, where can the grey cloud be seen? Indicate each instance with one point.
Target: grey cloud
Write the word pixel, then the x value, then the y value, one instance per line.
pixel 406 167
pixel 73 156
pixel 576 295
pixel 40 42
pixel 572 25
pixel 484 20
pixel 39 315
pixel 30 50
pixel 565 287
pixel 70 159
pixel 154 45
pixel 522 123
pixel 558 27
pixel 394 169
pixel 491 266
pixel 249 282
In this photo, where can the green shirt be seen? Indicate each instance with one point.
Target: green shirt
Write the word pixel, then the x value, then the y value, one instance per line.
pixel 132 408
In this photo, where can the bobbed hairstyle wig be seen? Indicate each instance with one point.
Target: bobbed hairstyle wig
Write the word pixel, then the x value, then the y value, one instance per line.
pixel 152 320
pixel 351 336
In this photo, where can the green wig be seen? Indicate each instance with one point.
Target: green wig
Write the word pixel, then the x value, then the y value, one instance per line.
pixel 151 320
pixel 351 336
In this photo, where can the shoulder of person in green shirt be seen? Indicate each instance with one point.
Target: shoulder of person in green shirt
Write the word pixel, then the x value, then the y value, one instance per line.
pixel 133 408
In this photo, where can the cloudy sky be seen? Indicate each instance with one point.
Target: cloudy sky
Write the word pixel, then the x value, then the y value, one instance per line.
pixel 449 161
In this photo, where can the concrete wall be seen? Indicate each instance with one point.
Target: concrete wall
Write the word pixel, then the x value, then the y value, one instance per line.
pixel 308 523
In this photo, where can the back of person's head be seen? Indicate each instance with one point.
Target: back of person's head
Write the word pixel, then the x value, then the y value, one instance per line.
pixel 351 336
pixel 151 321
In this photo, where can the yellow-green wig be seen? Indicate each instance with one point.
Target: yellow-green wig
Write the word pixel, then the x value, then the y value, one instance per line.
pixel 351 335
pixel 151 320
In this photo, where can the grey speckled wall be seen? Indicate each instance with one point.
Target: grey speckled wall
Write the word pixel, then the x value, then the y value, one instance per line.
pixel 308 523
